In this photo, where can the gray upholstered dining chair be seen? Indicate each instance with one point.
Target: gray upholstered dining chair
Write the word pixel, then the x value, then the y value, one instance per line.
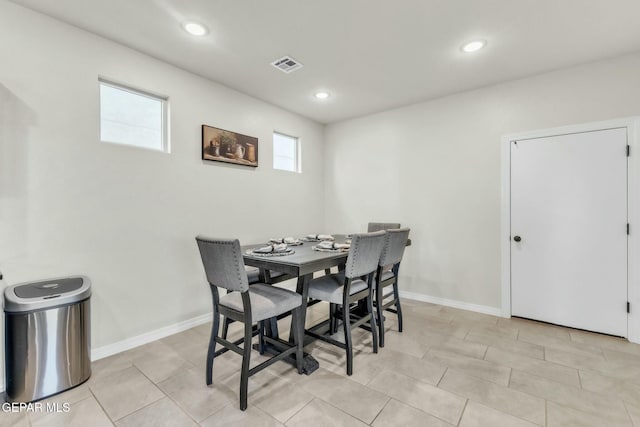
pixel 253 275
pixel 224 268
pixel 377 226
pixel 347 287
pixel 387 275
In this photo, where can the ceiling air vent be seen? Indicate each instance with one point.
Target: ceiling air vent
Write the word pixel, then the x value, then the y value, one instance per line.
pixel 286 64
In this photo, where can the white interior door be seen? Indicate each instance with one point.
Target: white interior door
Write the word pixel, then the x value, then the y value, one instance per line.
pixel 569 213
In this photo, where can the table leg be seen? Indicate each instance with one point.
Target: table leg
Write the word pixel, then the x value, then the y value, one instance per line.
pixel 310 364
pixel 303 289
pixel 271 325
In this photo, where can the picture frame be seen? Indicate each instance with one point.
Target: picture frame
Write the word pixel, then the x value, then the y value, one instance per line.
pixel 221 145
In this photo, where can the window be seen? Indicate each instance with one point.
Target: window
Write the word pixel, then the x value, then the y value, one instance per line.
pixel 285 152
pixel 132 117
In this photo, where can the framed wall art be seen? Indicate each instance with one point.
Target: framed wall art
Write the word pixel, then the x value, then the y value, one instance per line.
pixel 221 145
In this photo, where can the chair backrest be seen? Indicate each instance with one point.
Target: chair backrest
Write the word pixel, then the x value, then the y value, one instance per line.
pixel 223 264
pixel 377 226
pixel 394 243
pixel 364 253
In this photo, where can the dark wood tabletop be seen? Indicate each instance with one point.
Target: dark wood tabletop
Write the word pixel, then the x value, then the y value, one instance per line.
pixel 304 261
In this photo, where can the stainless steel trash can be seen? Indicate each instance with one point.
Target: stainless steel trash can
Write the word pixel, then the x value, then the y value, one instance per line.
pixel 47 327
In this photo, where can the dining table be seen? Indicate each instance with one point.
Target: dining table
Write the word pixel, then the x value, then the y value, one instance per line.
pixel 300 265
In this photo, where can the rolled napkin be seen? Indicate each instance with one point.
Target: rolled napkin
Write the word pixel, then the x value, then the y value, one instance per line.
pixel 282 247
pixel 287 240
pixel 320 237
pixel 332 245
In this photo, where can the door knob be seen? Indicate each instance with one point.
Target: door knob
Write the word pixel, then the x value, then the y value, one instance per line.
pixel 517 238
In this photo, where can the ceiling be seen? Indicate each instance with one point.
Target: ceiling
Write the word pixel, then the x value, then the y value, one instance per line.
pixel 371 55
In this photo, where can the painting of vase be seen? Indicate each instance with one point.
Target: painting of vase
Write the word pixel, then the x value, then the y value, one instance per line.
pixel 221 145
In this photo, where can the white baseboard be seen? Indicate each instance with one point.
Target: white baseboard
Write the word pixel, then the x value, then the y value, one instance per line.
pixel 485 309
pixel 129 343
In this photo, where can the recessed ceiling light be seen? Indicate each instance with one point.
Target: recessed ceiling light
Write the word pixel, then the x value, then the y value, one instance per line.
pixel 322 95
pixel 473 46
pixel 195 29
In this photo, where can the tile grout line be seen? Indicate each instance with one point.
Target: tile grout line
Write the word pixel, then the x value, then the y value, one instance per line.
pixel 148 404
pixel 467 334
pixel 546 413
pixel 566 405
pixel 546 362
pixel 498 409
pixel 446 369
pixel 580 379
pixel 598 417
pixel 101 407
pixel 216 411
pixel 335 407
pixel 462 413
pixel 175 402
pixel 265 413
pixel 502 411
pixel 139 409
pixel 295 413
pixel 626 407
pixel 380 411
pixel 415 407
pixel 533 374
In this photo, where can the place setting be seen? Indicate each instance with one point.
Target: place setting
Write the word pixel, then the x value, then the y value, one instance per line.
pixel 331 246
pixel 272 250
pixel 290 241
pixel 318 238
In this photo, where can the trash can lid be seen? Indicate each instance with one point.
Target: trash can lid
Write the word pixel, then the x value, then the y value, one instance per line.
pixel 46 293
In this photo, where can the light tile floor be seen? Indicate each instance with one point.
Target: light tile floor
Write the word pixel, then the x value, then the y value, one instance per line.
pixel 449 367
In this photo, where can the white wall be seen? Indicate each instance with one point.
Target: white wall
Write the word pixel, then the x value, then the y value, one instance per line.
pixel 127 217
pixel 437 169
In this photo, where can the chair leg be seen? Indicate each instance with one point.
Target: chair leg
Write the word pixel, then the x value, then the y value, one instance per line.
pixel 225 327
pixel 346 322
pixel 372 320
pixel 379 304
pixel 396 295
pixel 296 318
pixel 212 347
pixel 246 358
pixel 261 345
pixel 336 314
pixel 332 318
